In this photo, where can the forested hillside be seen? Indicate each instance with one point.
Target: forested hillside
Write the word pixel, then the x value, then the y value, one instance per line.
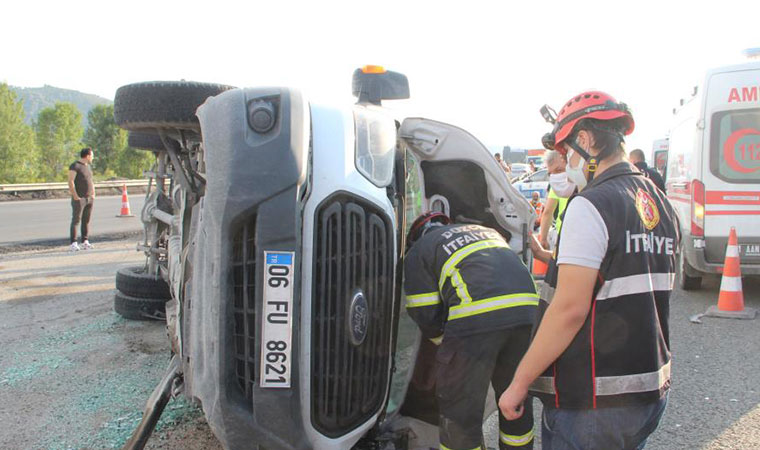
pixel 35 100
pixel 42 131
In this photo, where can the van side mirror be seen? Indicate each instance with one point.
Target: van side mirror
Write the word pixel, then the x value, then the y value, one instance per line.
pixel 372 84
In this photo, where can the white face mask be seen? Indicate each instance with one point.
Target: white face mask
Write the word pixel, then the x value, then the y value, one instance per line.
pixel 575 174
pixel 561 185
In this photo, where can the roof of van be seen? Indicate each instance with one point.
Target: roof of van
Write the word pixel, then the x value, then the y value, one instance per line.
pixel 735 67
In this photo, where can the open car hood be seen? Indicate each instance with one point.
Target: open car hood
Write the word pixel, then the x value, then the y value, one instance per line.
pixel 461 177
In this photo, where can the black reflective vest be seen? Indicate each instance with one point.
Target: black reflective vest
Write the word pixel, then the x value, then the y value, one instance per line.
pixel 621 355
pixel 464 279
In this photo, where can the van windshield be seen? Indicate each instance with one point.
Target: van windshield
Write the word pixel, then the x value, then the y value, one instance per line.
pixel 735 146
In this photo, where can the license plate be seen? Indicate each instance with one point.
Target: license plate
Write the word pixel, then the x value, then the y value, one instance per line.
pixel 750 249
pixel 276 320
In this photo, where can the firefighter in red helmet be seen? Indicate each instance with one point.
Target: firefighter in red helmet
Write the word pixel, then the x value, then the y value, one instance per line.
pixel 600 356
pixel 474 297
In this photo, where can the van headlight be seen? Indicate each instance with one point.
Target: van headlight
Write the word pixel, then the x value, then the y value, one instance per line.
pixel 375 144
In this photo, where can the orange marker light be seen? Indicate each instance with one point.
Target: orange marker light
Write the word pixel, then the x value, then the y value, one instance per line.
pixel 373 69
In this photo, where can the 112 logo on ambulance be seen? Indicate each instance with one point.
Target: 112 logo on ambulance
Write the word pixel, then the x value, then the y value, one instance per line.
pixel 741 150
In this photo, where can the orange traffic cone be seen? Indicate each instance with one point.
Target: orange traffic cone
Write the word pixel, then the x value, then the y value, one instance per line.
pixel 731 298
pixel 539 267
pixel 124 203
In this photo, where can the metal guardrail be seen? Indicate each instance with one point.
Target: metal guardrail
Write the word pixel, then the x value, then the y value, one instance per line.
pixel 64 185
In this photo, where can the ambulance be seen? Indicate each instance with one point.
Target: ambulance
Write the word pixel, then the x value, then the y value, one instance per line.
pixel 713 172
pixel 660 156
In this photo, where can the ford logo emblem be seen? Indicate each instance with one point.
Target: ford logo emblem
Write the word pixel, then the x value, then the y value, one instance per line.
pixel 358 318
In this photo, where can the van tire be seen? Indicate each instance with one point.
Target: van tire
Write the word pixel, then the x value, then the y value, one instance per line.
pixel 686 282
pixel 134 282
pixel 136 308
pixel 162 104
pixel 146 141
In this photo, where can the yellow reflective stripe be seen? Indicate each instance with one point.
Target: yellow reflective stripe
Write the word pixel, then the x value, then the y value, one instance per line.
pixel 426 299
pixel 462 253
pixel 437 340
pixel 515 441
pixel 443 447
pixel 461 287
pixel 492 304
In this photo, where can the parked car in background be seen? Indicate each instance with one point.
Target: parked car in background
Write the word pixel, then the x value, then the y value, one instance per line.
pixel 529 183
pixel 518 170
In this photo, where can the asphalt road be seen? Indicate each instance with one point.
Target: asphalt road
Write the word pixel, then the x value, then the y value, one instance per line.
pixel 73 374
pixel 48 220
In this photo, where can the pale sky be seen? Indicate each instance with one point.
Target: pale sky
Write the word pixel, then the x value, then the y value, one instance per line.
pixel 484 66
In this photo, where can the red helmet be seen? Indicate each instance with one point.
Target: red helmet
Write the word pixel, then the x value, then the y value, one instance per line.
pixel 588 105
pixel 421 222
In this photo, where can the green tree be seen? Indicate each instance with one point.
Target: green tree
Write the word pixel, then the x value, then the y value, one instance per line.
pixel 105 137
pixel 112 155
pixel 132 162
pixel 59 137
pixel 17 152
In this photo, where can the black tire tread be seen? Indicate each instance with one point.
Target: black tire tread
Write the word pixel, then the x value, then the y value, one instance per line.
pixel 686 282
pixel 145 141
pixel 134 283
pixel 135 308
pixel 162 104
pixel 690 283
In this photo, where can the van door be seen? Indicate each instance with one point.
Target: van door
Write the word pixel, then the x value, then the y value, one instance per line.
pixel 731 163
pixel 462 178
pixel 450 171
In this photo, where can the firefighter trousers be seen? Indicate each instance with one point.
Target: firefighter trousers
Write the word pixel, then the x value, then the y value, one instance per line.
pixel 464 368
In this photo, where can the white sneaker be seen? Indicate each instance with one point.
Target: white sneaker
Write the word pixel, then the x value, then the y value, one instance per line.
pixel 86 245
pixel 74 247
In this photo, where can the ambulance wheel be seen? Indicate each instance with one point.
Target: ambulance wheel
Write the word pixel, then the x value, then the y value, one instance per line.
pixel 687 283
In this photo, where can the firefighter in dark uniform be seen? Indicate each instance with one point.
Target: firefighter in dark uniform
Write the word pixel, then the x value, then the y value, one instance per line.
pixel 600 356
pixel 473 296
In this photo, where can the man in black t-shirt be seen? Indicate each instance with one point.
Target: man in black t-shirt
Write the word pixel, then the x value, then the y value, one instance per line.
pixel 82 192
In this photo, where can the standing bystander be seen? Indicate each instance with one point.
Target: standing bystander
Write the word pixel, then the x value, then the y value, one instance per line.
pixel 600 356
pixel 556 201
pixel 503 164
pixel 82 192
pixel 638 159
pixel 538 206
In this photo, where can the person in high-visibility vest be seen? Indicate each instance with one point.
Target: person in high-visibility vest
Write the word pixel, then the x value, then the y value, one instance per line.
pixel 556 200
pixel 535 202
pixel 474 297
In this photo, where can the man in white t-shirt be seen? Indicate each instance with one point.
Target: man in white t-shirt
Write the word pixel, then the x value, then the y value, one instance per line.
pixel 600 356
